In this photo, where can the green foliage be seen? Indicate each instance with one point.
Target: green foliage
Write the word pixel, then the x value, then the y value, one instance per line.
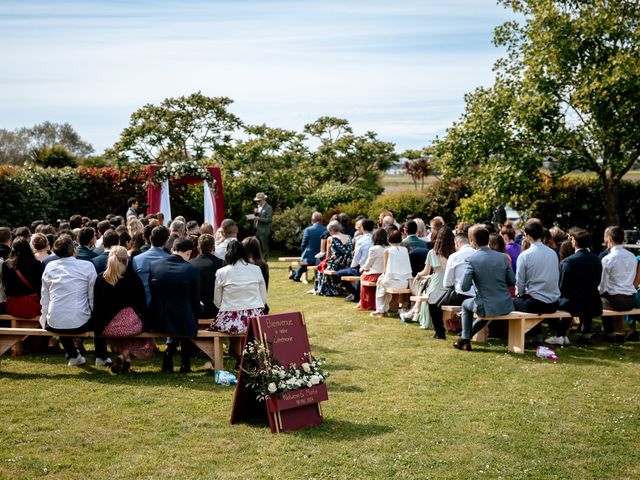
pixel 195 126
pixel 401 204
pixel 56 156
pixel 474 209
pixel 35 193
pixel 333 193
pixel 288 226
pixel 566 92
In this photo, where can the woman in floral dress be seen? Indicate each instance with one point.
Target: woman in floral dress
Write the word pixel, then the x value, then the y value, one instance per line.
pixel 340 253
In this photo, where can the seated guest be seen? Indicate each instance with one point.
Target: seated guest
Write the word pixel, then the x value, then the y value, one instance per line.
pixel 435 224
pixel 421 233
pixel 109 240
pixel 135 244
pixel 67 300
pixel 489 272
pixel 206 228
pixel 310 246
pixel 254 255
pixel 566 250
pixel 580 275
pixel 537 277
pixel 146 234
pixel 412 240
pixel 453 276
pixel 207 264
pixel 87 241
pixel 396 273
pixel 339 255
pixel 40 246
pixel 142 262
pixel 5 242
pixel 617 289
pixel 174 285
pixel 177 230
pixel 103 226
pixel 373 268
pixel 22 280
pixel 435 265
pixel 119 309
pixel 229 231
pixel 362 245
pixel 512 248
pixel 241 292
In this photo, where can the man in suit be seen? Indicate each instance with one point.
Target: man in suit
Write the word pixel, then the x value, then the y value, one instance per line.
pixel 109 239
pixel 87 241
pixel 491 275
pixel 207 264
pixel 412 240
pixel 310 246
pixel 142 262
pixel 262 222
pixel 579 279
pixel 175 301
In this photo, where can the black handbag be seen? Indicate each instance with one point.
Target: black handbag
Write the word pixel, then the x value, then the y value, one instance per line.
pixel 442 296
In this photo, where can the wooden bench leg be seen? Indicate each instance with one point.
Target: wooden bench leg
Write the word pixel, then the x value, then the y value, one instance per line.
pixel 208 347
pixel 482 335
pixel 8 341
pixel 619 325
pixel 516 335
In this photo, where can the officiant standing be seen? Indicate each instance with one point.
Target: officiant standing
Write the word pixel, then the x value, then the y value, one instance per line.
pixel 262 222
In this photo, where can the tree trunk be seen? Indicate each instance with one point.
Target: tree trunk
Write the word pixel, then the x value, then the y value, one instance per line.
pixel 612 213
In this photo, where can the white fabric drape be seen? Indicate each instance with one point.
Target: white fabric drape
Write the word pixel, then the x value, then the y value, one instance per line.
pixel 165 203
pixel 209 207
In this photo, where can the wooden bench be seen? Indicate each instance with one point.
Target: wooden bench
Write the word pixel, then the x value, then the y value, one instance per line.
pixel 522 322
pixel 288 259
pixel 211 343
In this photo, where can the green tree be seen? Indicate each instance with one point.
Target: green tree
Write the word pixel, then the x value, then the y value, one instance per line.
pixel 56 156
pixel 343 157
pixel 567 91
pixel 191 127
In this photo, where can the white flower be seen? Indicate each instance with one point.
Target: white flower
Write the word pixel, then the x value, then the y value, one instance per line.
pixel 281 373
pixel 315 379
pixel 273 388
pixel 306 367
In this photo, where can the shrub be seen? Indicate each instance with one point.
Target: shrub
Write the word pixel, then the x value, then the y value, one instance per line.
pixel 474 209
pixel 331 194
pixel 288 226
pixel 56 156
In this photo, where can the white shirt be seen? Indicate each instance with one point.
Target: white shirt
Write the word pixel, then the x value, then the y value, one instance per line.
pixel 618 272
pixel 456 266
pixel 240 287
pixel 398 264
pixel 363 244
pixel 221 250
pixel 537 273
pixel 67 293
pixel 375 260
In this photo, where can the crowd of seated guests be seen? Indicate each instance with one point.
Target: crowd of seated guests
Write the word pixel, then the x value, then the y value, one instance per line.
pixel 486 269
pixel 118 279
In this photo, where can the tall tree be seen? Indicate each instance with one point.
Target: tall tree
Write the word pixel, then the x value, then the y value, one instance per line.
pixel 191 127
pixel 570 87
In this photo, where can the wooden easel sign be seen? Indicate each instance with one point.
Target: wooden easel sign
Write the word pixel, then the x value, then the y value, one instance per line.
pixel 285 335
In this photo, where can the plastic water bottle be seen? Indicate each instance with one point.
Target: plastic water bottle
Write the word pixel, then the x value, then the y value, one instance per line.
pixel 222 377
pixel 547 353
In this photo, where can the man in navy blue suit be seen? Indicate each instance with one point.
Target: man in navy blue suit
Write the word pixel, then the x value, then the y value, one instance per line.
pixel 310 245
pixel 579 279
pixel 142 262
pixel 175 301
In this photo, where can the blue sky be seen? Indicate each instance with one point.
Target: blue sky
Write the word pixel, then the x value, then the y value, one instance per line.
pixel 399 68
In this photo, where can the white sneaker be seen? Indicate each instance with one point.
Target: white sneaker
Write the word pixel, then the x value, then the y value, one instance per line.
pixel 566 341
pixel 76 362
pixel 555 341
pixel 103 362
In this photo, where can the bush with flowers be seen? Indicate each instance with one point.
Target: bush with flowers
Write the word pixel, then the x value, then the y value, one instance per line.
pixel 266 377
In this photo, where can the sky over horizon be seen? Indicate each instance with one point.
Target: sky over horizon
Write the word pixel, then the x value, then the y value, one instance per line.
pixel 398 68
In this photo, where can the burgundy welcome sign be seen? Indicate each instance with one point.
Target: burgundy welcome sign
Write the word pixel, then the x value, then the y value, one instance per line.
pixel 285 335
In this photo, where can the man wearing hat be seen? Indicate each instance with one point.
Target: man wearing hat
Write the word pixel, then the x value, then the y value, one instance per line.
pixel 262 222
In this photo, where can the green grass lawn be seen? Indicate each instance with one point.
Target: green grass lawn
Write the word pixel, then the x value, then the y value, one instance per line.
pixel 401 405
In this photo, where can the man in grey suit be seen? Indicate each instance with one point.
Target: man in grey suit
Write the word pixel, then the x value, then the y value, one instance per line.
pixel 262 222
pixel 491 274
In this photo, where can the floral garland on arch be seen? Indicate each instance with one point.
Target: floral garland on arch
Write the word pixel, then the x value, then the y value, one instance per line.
pixel 267 378
pixel 182 169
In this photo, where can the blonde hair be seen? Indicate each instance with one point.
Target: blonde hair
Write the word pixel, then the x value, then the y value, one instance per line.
pixel 422 228
pixel 116 265
pixel 134 226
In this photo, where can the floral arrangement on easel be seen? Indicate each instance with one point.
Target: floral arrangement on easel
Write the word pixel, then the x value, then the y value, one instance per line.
pixel 182 169
pixel 266 377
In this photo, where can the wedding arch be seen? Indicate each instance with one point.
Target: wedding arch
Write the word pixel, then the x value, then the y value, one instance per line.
pixel 160 176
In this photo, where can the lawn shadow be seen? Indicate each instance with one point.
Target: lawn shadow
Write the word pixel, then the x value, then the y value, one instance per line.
pixel 333 430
